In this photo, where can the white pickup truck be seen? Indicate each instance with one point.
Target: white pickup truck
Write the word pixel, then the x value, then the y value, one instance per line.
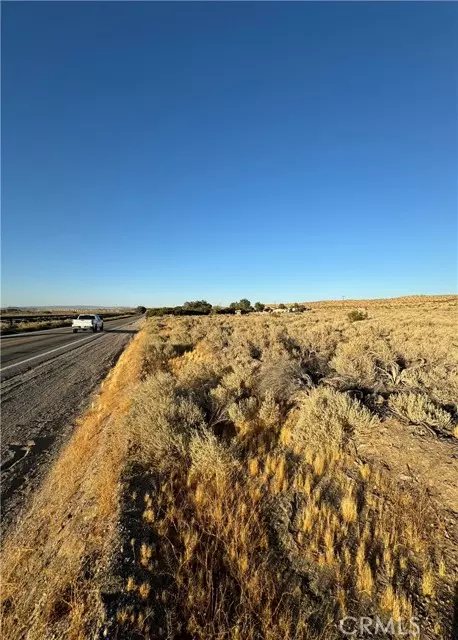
pixel 87 322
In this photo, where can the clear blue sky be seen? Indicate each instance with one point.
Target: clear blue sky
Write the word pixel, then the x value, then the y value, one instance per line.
pixel 159 152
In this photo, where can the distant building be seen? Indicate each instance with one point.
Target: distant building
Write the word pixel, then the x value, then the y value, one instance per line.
pixel 286 309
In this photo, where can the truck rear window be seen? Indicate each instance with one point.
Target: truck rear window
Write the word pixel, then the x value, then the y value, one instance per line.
pixel 86 317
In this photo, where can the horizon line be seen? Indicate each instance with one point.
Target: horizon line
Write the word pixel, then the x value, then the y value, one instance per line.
pixel 124 306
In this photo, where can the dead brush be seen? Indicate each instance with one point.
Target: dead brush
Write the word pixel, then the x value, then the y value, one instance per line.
pixel 282 377
pixel 398 373
pixel 234 386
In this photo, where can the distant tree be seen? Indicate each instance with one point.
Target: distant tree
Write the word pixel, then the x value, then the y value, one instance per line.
pixel 199 306
pixel 245 304
pixel 281 306
pixel 140 309
pixel 259 306
pixel 158 311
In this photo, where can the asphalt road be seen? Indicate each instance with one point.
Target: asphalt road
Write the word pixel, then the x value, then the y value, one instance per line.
pixel 23 351
pixel 48 379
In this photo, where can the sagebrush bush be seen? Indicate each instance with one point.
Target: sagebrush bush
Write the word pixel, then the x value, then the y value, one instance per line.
pixel 354 362
pixel 328 418
pixel 162 421
pixel 157 352
pixel 417 408
pixel 211 462
pixel 356 315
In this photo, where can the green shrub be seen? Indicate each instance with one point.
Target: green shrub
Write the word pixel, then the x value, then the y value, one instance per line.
pixel 199 306
pixel 178 311
pixel 356 315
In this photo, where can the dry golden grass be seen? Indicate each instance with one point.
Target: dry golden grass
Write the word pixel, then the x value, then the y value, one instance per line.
pixel 226 453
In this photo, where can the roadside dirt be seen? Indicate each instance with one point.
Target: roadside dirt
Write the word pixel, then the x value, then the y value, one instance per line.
pixel 39 408
pixel 413 455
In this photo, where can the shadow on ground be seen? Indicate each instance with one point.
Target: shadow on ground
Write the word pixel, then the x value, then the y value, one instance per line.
pixel 455 615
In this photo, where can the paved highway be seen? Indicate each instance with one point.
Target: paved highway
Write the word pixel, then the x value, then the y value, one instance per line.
pixel 48 378
pixel 28 349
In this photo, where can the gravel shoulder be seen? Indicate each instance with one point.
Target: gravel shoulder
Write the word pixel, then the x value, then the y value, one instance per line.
pixel 39 410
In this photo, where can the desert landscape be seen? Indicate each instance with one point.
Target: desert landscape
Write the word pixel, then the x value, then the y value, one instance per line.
pixel 255 476
pixel 228 321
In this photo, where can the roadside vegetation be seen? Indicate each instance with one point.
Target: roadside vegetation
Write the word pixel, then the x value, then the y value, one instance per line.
pixel 37 325
pixel 225 483
pixel 25 325
pixel 204 308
